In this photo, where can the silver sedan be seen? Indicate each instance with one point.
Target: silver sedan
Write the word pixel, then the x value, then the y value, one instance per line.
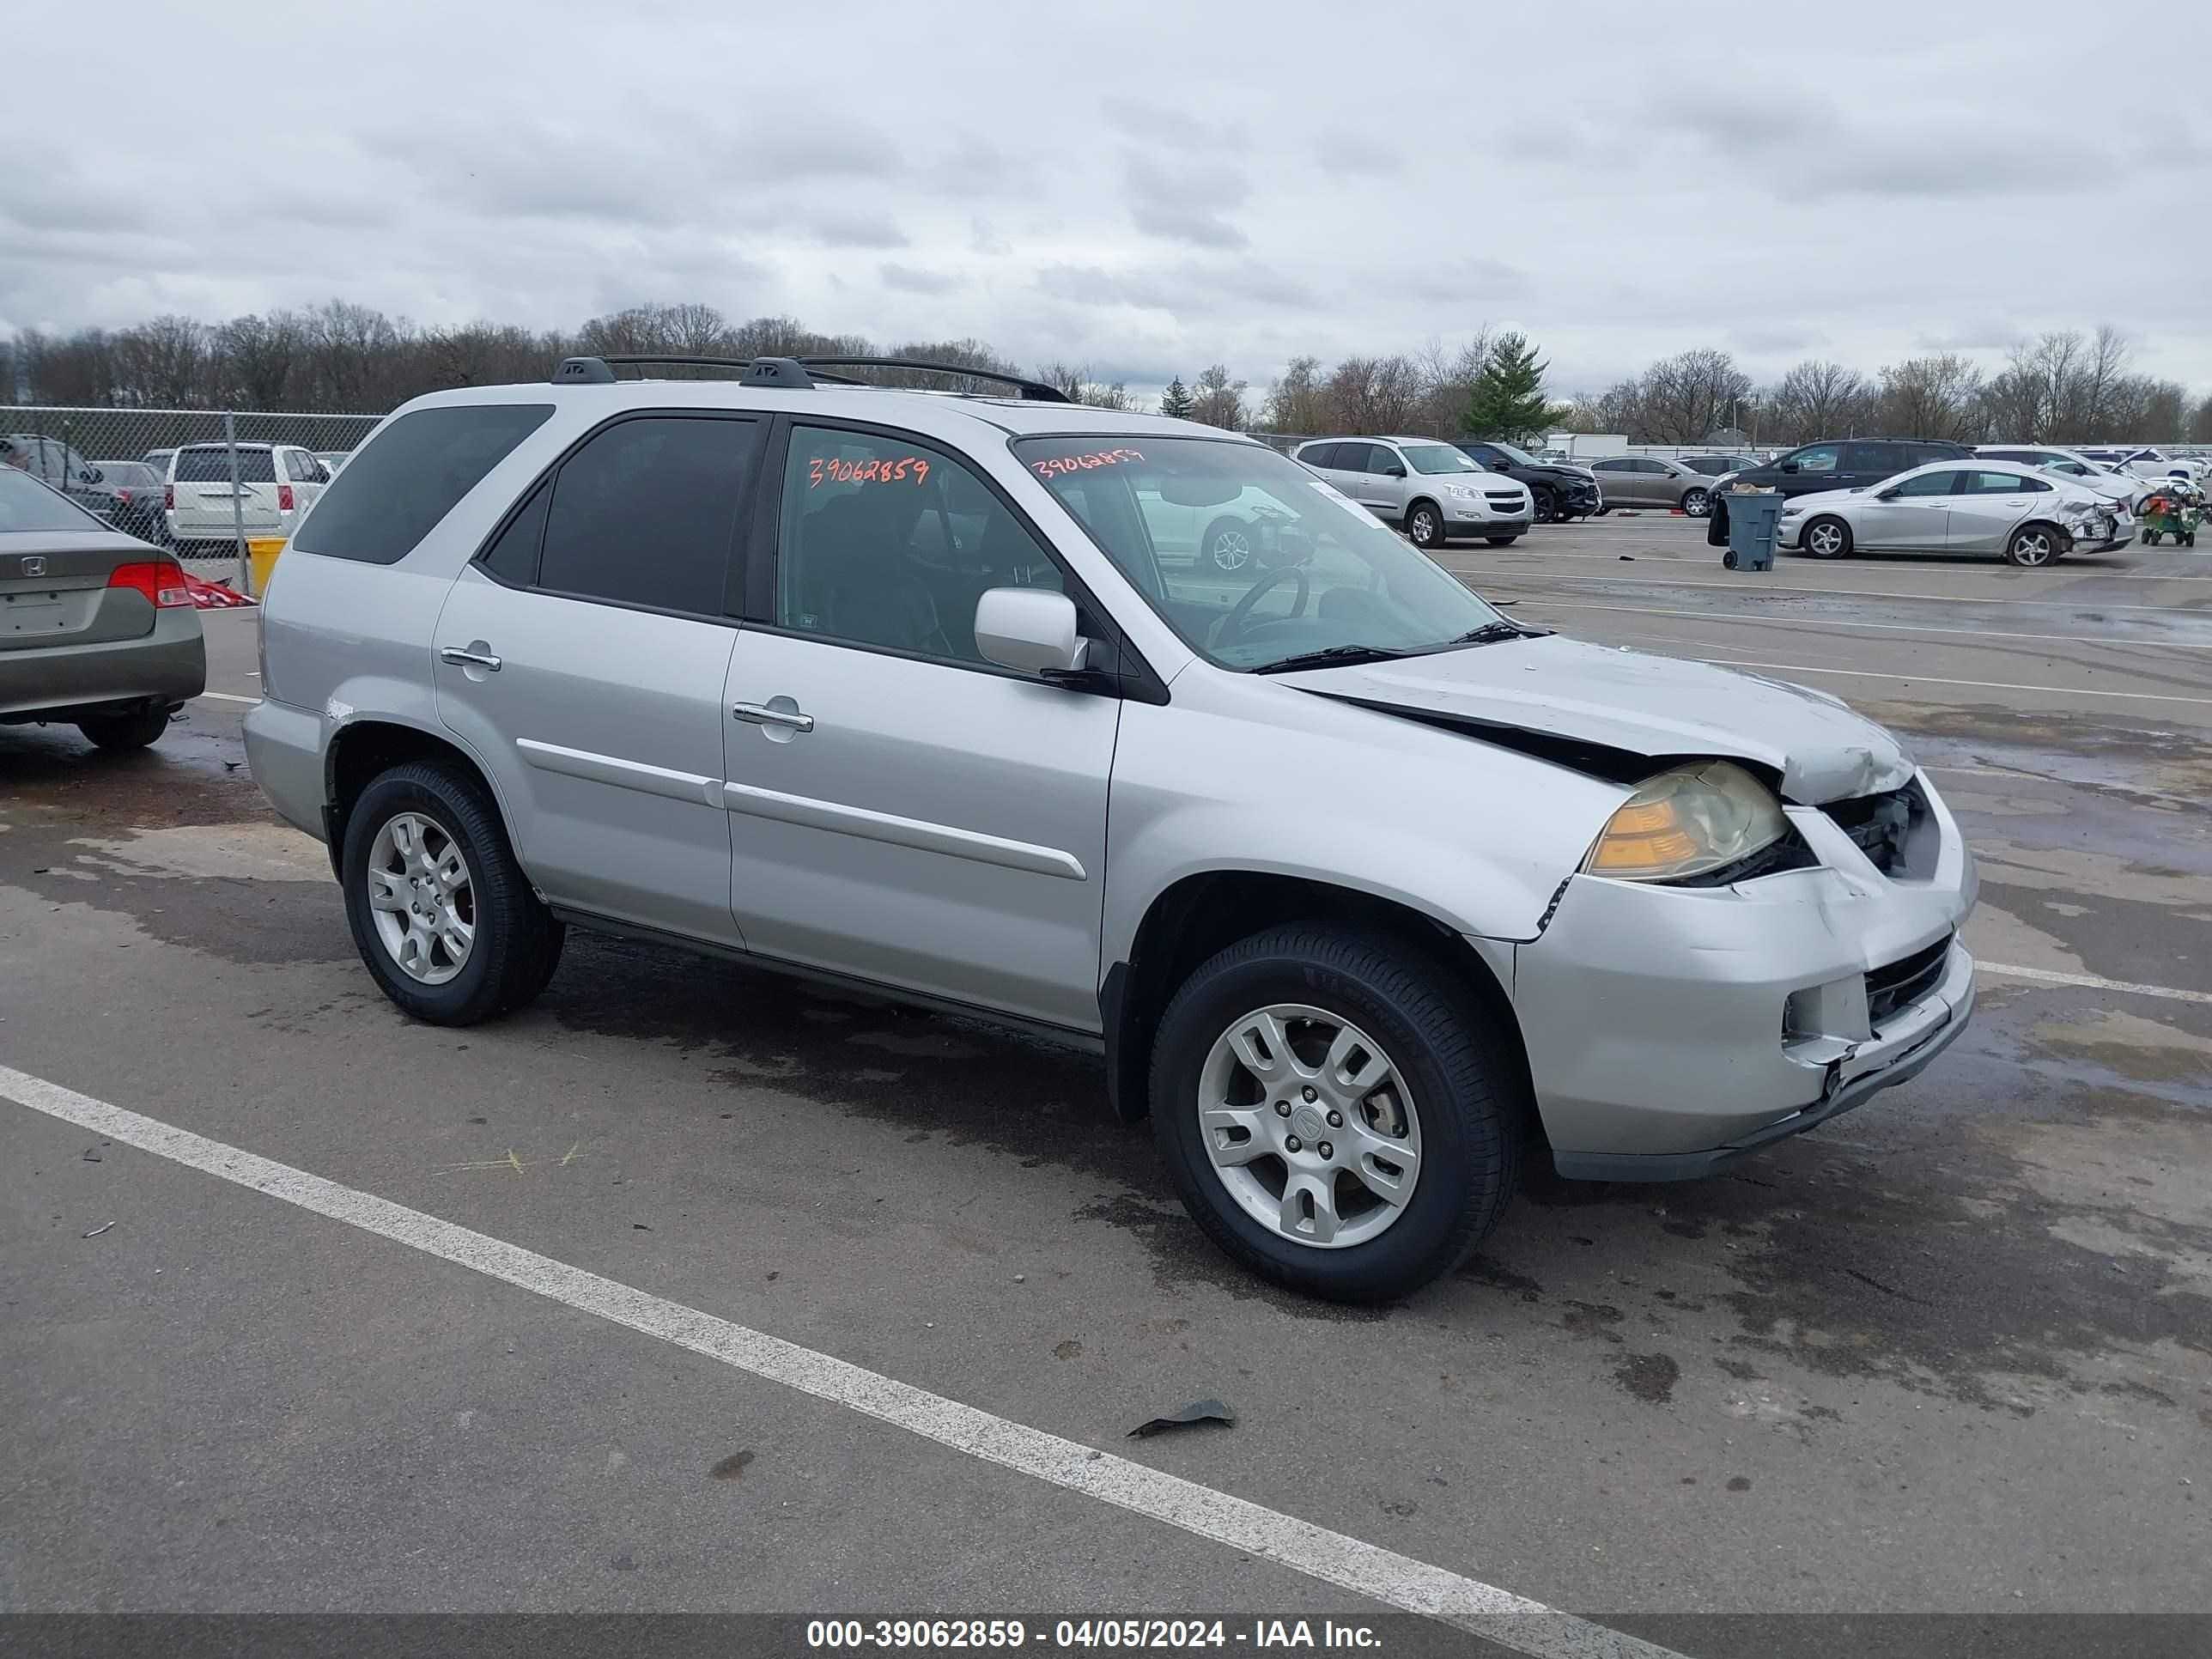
pixel 2029 517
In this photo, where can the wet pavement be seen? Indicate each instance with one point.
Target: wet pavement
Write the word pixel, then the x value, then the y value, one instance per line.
pixel 1950 1352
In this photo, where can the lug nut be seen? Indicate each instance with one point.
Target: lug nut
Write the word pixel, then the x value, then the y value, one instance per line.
pixel 1310 1094
pixel 1336 1119
pixel 1294 1143
pixel 1282 1109
pixel 1326 1150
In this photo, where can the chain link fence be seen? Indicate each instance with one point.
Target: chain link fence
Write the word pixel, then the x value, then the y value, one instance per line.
pixel 242 477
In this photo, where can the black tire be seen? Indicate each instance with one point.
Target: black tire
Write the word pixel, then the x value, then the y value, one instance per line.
pixel 1547 504
pixel 1230 539
pixel 518 941
pixel 2034 545
pixel 1697 502
pixel 1425 525
pixel 1501 541
pixel 120 732
pixel 1839 549
pixel 1465 1083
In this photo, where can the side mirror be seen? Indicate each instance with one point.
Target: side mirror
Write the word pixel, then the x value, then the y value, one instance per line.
pixel 1394 470
pixel 1889 494
pixel 1030 629
pixel 1788 466
pixel 93 474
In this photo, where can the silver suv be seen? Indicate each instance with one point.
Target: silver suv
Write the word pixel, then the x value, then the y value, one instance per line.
pixel 1436 490
pixel 1364 891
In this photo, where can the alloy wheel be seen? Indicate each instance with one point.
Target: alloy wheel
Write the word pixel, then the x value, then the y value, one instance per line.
pixel 1232 551
pixel 1308 1126
pixel 423 898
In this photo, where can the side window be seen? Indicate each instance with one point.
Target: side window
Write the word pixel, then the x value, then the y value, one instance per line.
pixel 1356 457
pixel 2005 483
pixel 1873 457
pixel 1817 458
pixel 1320 455
pixel 646 513
pixel 412 473
pixel 890 543
pixel 512 554
pixel 1933 483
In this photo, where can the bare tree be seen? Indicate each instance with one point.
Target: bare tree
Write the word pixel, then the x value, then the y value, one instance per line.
pixel 1079 385
pixel 1217 400
pixel 1938 397
pixel 1815 399
pixel 1683 399
pixel 1373 394
pixel 1297 401
pixel 164 360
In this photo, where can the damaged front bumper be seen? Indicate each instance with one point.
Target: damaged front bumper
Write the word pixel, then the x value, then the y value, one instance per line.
pixel 1672 1031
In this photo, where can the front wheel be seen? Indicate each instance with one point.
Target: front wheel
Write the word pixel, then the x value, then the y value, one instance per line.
pixel 1424 526
pixel 2032 544
pixel 120 732
pixel 1547 505
pixel 440 911
pixel 1335 1114
pixel 1695 503
pixel 1826 538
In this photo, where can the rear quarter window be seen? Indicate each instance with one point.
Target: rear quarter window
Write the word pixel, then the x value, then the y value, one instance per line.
pixel 392 493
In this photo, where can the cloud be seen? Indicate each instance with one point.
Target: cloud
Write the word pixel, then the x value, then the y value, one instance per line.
pixel 859 229
pixel 911 279
pixel 1186 202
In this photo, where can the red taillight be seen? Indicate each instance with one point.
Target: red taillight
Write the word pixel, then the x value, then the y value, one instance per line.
pixel 283 498
pixel 161 582
pixel 124 496
pixel 169 496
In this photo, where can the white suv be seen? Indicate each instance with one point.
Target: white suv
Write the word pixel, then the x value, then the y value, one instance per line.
pixel 1359 889
pixel 1433 489
pixel 276 485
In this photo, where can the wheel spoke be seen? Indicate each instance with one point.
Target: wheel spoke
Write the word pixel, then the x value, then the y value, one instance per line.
pixel 450 870
pixel 1352 1066
pixel 1391 1185
pixel 1235 1135
pixel 1264 1049
pixel 384 892
pixel 1308 1209
pixel 458 936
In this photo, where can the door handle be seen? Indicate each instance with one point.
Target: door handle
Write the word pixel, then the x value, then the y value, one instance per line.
pixel 456 654
pixel 759 713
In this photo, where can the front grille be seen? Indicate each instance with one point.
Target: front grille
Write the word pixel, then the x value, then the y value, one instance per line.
pixel 1904 980
pixel 1876 824
pixel 1507 501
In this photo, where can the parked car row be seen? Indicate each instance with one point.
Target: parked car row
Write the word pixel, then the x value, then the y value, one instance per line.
pixel 181 497
pixel 1433 489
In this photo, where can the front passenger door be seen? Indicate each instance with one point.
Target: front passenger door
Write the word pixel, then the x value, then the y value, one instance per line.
pixel 901 811
pixel 1917 514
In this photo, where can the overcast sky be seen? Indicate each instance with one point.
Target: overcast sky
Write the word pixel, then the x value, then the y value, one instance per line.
pixel 1144 188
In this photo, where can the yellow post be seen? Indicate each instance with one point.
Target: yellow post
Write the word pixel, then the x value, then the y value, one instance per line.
pixel 261 554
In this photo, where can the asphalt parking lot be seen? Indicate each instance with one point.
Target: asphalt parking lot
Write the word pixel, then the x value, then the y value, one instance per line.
pixel 1950 1354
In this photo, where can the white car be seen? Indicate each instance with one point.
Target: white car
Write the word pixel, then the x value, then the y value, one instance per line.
pixel 2031 518
pixel 1228 536
pixel 276 483
pixel 1433 488
pixel 2085 470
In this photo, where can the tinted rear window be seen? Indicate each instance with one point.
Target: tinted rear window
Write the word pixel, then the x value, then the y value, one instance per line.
pixel 27 504
pixel 391 494
pixel 212 465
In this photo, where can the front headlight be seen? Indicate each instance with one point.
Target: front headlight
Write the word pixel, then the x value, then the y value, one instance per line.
pixel 1687 822
pixel 1463 492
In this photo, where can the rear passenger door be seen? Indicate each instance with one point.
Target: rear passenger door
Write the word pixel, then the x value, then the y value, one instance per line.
pixel 582 655
pixel 1988 505
pixel 900 810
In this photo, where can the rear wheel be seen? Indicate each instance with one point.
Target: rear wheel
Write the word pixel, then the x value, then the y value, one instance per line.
pixel 1695 503
pixel 2032 544
pixel 440 911
pixel 1826 538
pixel 1424 524
pixel 124 732
pixel 1335 1114
pixel 1229 543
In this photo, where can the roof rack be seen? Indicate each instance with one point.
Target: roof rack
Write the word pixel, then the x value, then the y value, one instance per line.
pixel 792 373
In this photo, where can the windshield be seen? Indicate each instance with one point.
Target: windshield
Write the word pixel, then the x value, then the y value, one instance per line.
pixel 1518 456
pixel 1439 458
pixel 1251 559
pixel 27 504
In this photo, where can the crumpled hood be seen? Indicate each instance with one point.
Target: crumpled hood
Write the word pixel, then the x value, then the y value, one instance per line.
pixel 1637 702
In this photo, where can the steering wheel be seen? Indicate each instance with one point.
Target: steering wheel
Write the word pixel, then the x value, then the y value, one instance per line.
pixel 1232 624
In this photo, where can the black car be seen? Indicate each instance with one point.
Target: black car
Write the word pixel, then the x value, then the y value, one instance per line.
pixel 1560 492
pixel 135 496
pixel 1832 464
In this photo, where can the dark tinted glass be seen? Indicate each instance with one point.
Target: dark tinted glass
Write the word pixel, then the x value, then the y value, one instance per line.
pixel 130 475
pixel 646 514
pixel 513 555
pixel 212 465
pixel 1320 454
pixel 393 493
pixel 1934 483
pixel 1359 457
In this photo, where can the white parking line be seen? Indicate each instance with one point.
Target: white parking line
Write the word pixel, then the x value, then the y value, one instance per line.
pixel 227 696
pixel 2091 982
pixel 1774 619
pixel 1752 584
pixel 1930 679
pixel 1351 1563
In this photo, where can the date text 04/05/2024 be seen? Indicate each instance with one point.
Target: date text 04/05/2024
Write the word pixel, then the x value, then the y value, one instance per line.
pixel 1088 1634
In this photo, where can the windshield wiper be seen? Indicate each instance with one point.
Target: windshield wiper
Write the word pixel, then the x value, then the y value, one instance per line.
pixel 1333 656
pixel 1492 633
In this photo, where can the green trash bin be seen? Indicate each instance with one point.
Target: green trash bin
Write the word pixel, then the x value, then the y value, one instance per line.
pixel 1752 517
